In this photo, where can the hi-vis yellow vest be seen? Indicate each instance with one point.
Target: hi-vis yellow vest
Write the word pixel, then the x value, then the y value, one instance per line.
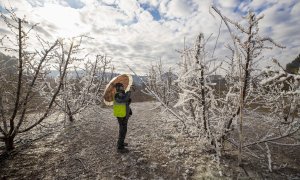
pixel 119 109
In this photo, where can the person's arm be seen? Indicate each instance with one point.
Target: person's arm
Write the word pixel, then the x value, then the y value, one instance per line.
pixel 128 94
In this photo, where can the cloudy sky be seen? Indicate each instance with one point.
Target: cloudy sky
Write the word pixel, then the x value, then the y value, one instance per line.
pixel 139 33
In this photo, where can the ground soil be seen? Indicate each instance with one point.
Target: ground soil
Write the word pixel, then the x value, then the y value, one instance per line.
pixel 86 149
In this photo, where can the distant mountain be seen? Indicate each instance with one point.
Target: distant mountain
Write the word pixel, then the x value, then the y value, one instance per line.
pixel 108 76
pixel 137 80
pixel 8 64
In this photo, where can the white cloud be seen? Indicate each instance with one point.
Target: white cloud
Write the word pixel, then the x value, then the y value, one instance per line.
pixel 229 3
pixel 177 8
pixel 282 25
pixel 296 10
pixel 145 16
pixel 130 35
pixel 256 4
pixel 154 3
pixel 130 7
pixel 65 18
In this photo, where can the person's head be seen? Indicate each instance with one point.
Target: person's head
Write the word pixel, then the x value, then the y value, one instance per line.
pixel 119 87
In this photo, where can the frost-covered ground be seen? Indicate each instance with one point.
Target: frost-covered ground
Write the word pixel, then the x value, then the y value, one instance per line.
pixel 86 149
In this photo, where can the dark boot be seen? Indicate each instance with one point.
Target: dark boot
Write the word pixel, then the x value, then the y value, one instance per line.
pixel 124 150
pixel 122 146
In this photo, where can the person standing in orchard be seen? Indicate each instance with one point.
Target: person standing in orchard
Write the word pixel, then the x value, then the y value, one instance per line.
pixel 122 111
pixel 117 94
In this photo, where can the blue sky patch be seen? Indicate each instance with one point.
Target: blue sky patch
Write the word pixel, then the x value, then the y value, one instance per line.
pixel 3 10
pixel 238 10
pixel 262 8
pixel 76 4
pixel 152 10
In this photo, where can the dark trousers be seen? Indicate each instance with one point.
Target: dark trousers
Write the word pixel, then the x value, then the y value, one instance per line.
pixel 122 130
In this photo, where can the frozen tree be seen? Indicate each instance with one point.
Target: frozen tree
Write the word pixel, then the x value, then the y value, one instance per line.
pixel 251 101
pixel 163 83
pixel 248 48
pixel 246 97
pixel 196 95
pixel 26 97
pixel 196 103
pixel 277 107
pixel 83 86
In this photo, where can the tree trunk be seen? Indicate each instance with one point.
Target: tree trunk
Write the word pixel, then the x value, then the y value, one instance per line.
pixel 71 118
pixel 244 91
pixel 203 101
pixel 9 143
pixel 69 112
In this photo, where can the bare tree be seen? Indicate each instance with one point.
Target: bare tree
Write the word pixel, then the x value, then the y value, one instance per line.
pixel 83 86
pixel 278 106
pixel 251 98
pixel 249 46
pixel 28 85
pixel 162 82
pixel 196 92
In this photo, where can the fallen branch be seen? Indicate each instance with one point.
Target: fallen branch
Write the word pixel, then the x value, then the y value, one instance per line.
pixel 272 139
pixel 84 167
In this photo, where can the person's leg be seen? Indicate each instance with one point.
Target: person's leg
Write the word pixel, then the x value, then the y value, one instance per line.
pixel 122 132
pixel 125 121
pixel 120 140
